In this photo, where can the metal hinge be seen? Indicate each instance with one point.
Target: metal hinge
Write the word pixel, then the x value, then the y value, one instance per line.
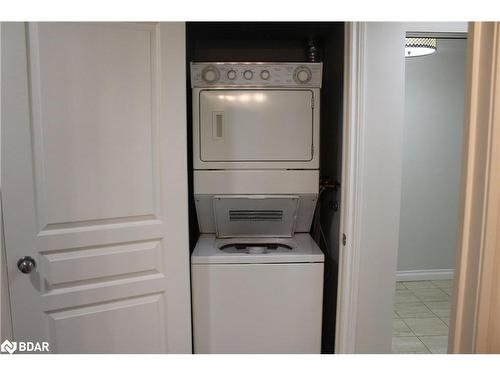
pixel 312 101
pixel 344 239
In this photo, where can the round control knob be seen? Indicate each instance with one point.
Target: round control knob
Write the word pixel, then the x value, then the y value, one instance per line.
pixel 210 74
pixel 302 75
pixel 248 74
pixel 265 75
pixel 231 74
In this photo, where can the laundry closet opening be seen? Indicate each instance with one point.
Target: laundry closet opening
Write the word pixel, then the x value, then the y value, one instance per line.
pixel 309 50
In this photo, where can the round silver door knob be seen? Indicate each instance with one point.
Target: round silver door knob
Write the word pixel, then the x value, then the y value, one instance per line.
pixel 26 264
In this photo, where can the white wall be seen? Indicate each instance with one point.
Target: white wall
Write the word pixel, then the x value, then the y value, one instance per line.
pixel 432 156
pixel 383 95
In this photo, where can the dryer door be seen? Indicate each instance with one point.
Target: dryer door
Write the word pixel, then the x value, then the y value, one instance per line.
pixel 256 125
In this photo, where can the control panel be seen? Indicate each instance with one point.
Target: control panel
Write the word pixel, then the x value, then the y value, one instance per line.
pixel 208 74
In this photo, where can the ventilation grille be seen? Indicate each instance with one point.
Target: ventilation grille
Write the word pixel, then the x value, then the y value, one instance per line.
pixel 255 215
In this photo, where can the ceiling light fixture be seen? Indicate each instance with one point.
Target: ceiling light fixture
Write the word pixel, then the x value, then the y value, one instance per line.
pixel 420 46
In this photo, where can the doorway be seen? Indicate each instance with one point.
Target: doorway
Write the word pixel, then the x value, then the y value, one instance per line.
pixel 430 189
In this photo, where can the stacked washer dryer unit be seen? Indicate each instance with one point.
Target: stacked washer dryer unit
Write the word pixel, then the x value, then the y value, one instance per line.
pixel 257 275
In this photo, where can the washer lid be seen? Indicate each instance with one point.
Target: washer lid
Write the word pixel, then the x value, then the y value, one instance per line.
pixel 299 249
pixel 255 215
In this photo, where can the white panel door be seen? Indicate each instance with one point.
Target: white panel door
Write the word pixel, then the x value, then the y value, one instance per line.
pixel 95 185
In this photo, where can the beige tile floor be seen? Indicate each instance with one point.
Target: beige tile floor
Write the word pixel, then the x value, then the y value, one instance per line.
pixel 421 316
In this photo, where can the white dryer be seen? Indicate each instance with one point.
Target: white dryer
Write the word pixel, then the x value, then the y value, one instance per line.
pixel 257 275
pixel 256 115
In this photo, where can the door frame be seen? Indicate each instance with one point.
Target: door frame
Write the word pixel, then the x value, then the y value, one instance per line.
pixel 351 198
pixel 473 328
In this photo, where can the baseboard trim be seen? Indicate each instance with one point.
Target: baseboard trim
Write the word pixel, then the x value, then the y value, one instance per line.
pixel 419 275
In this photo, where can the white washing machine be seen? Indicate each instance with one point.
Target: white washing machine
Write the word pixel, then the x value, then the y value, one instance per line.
pixel 257 275
pixel 257 295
